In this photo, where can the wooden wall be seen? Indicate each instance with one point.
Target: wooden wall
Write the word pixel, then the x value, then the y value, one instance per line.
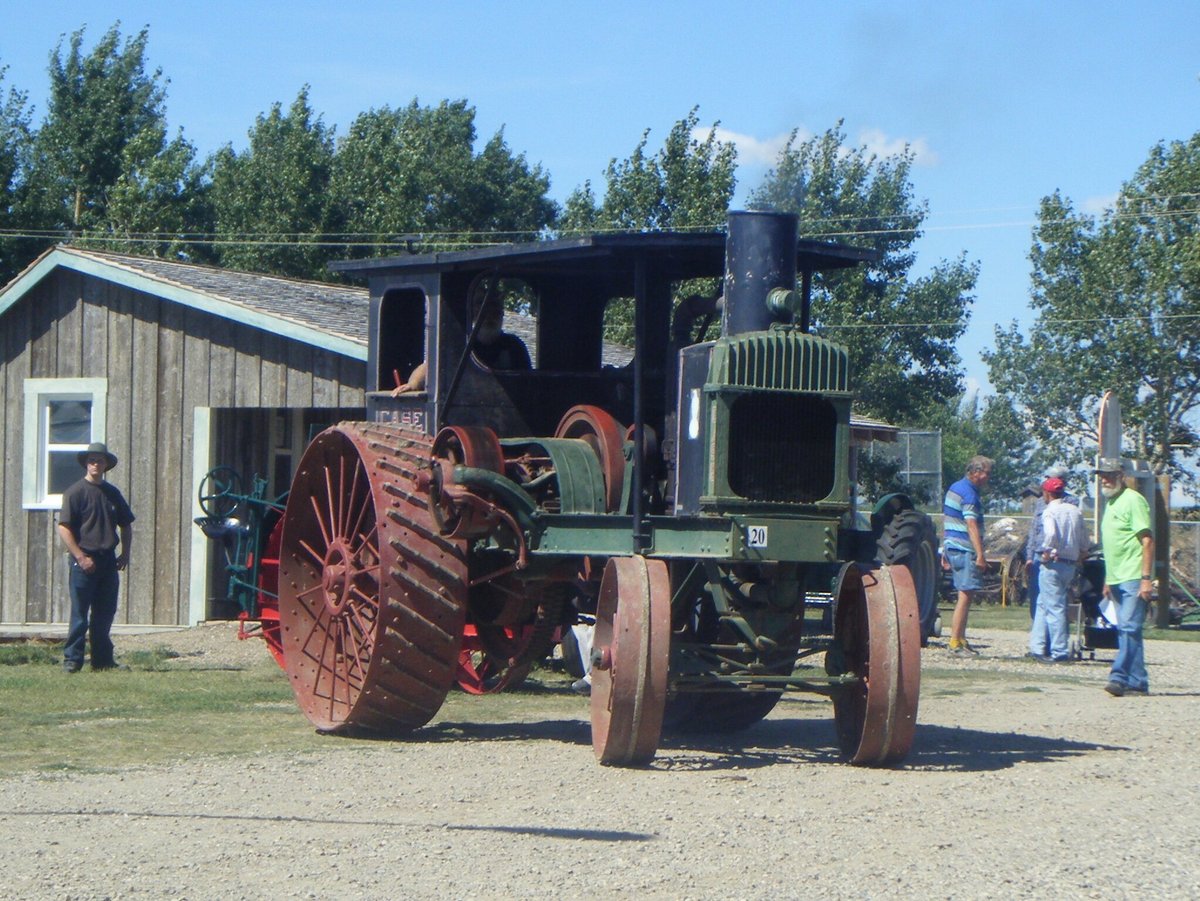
pixel 162 360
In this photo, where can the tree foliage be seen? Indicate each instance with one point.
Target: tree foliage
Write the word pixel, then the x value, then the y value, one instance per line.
pixel 688 183
pixel 100 167
pixel 992 428
pixel 101 106
pixel 414 170
pixel 900 329
pixel 270 202
pixel 1118 308
pixel 15 141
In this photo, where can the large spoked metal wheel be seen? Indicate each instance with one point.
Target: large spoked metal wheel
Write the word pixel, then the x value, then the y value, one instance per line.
pixel 482 671
pixel 630 655
pixel 372 599
pixel 876 638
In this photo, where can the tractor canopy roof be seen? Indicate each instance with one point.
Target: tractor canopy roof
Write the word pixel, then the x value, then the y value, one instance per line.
pixel 670 255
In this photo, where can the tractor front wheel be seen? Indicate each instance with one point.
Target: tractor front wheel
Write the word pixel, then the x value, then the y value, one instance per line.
pixel 630 655
pixel 876 640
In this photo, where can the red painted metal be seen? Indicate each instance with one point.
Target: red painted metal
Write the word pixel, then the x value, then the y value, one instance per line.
pixel 457 512
pixel 877 637
pixel 606 437
pixel 372 599
pixel 630 654
pixel 266 624
pixel 481 671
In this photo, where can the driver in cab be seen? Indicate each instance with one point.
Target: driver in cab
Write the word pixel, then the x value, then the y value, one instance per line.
pixel 493 347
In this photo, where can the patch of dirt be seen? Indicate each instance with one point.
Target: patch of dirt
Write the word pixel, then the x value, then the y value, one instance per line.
pixel 1026 780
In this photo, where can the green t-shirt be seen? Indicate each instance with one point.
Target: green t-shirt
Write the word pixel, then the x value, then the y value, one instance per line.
pixel 1125 516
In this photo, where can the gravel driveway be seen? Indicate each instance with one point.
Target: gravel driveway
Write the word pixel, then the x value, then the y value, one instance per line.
pixel 1025 781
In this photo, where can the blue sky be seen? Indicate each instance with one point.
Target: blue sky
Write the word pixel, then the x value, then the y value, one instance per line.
pixel 1002 102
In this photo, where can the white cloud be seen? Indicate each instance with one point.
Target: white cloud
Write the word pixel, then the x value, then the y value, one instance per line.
pixel 751 150
pixel 754 151
pixel 882 146
pixel 1098 206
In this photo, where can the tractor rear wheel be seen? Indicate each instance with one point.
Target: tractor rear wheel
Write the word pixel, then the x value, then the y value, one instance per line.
pixel 630 655
pixel 910 539
pixel 876 638
pixel 372 600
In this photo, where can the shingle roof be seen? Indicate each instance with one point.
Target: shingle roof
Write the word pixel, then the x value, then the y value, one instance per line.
pixel 338 309
pixel 330 316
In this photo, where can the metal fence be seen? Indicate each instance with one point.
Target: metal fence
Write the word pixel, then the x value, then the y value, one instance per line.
pixel 919 455
pixel 1185 545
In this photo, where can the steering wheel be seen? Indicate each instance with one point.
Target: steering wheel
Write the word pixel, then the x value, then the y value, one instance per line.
pixel 220 492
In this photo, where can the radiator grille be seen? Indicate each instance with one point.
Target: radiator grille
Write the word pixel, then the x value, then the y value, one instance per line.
pixel 782 447
pixel 784 360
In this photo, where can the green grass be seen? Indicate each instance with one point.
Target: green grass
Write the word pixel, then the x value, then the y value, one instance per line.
pixel 152 714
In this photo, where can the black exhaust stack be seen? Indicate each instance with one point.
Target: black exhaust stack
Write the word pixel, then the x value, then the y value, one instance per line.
pixel 760 272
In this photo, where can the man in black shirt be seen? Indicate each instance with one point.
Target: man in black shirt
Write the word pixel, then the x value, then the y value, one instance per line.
pixel 93 512
pixel 493 347
pixel 496 348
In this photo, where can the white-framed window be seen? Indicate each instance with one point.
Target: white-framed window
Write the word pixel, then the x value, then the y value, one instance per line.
pixel 62 417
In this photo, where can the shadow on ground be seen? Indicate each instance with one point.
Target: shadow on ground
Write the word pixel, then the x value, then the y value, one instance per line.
pixel 786 740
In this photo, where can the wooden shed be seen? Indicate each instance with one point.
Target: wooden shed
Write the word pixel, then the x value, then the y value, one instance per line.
pixel 178 368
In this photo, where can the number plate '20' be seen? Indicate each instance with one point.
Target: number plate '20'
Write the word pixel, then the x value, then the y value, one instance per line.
pixel 756 536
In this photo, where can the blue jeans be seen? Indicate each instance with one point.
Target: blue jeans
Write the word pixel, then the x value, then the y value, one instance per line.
pixel 93 609
pixel 1050 620
pixel 1031 592
pixel 1129 666
pixel 963 569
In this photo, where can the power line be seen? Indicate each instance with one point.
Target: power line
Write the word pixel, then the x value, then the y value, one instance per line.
pixel 477 238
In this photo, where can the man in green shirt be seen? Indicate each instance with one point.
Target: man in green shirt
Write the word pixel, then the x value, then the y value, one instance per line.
pixel 1128 574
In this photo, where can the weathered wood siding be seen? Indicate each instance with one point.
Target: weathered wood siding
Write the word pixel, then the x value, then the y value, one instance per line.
pixel 161 360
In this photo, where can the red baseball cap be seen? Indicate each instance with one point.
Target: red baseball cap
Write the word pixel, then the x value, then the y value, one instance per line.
pixel 1054 486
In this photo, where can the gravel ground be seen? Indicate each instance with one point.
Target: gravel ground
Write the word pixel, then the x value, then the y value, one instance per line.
pixel 1028 783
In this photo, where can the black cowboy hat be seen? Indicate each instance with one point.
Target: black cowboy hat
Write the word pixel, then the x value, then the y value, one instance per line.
pixel 97 447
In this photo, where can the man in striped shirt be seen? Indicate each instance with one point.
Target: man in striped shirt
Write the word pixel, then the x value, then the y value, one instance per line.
pixel 962 516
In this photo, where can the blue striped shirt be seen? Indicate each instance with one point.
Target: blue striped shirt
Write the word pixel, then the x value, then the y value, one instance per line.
pixel 962 503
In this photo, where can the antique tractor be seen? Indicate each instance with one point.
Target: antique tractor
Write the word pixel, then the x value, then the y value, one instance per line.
pixel 693 491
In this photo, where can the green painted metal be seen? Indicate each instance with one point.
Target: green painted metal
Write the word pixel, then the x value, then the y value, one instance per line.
pixel 780 360
pixel 757 539
pixel 580 479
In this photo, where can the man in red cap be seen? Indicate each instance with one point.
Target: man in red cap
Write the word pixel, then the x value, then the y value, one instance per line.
pixel 1064 543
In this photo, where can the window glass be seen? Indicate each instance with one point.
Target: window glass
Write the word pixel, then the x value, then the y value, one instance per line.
pixel 63 471
pixel 70 421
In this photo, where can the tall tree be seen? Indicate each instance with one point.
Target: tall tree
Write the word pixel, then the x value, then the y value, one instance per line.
pixel 1118 308
pixel 99 105
pixel 157 200
pixel 415 171
pixel 101 166
pixel 900 329
pixel 270 202
pixel 15 140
